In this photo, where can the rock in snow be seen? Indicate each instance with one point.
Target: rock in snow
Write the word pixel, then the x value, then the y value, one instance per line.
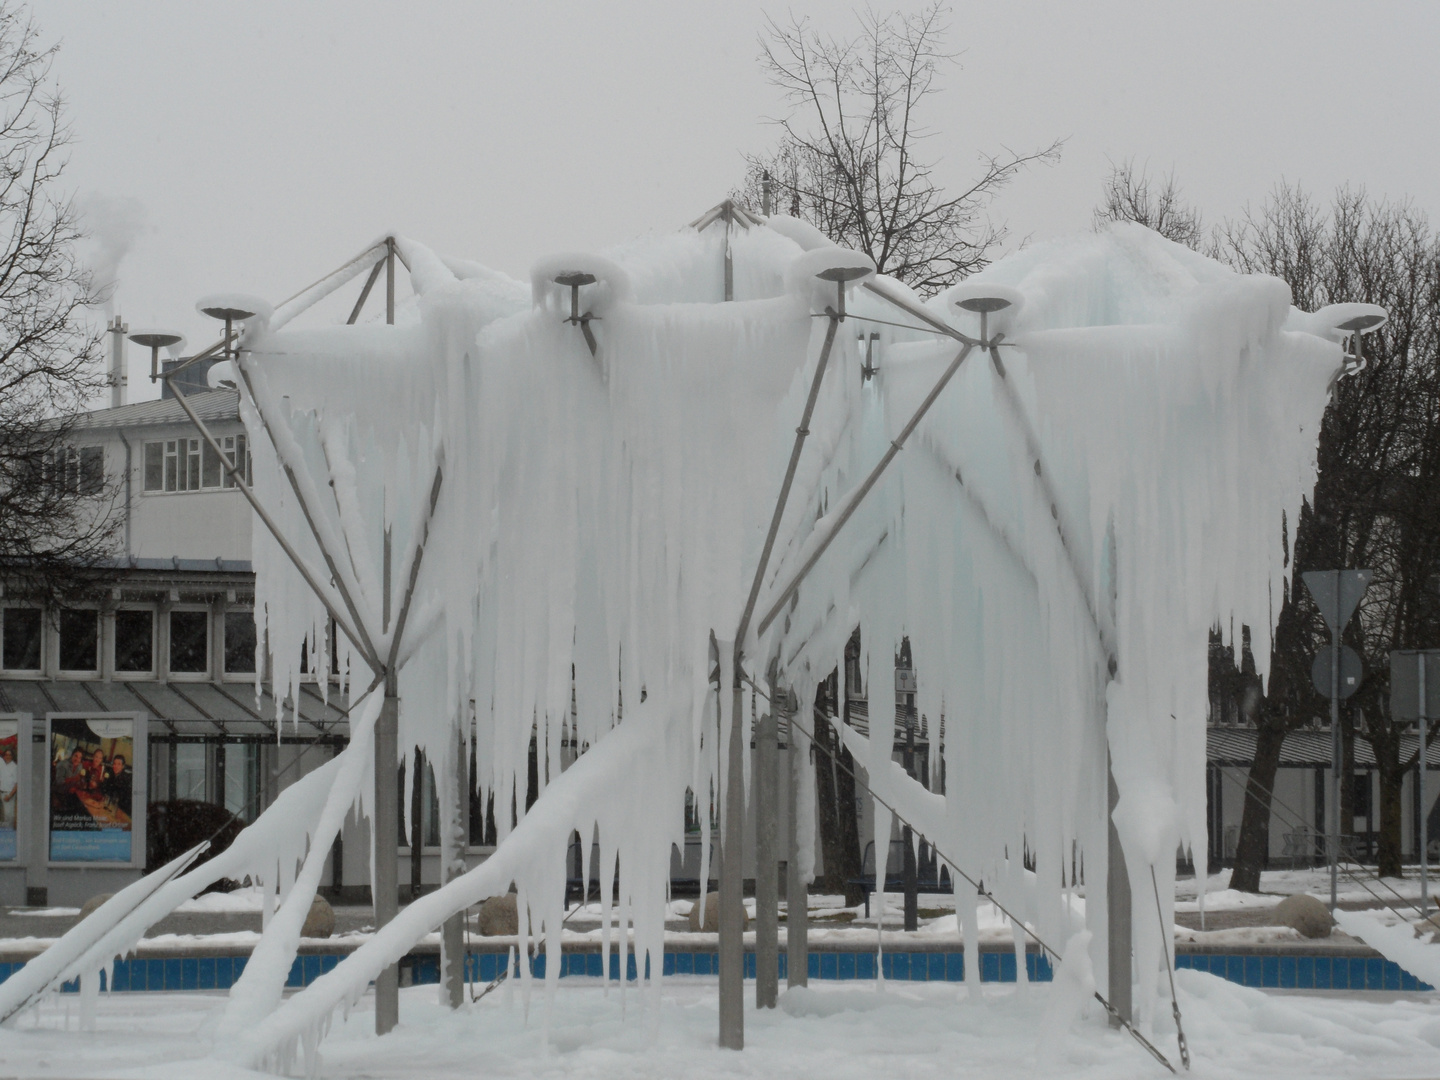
pixel 1306 914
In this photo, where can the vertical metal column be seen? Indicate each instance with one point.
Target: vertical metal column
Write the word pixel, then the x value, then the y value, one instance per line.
pixel 732 893
pixel 1421 661
pixel 797 911
pixel 1335 753
pixel 767 901
pixel 385 872
pixel 452 856
pixel 389 281
pixel 912 897
pixel 1117 895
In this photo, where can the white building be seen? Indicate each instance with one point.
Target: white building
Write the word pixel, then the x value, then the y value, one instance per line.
pixel 171 644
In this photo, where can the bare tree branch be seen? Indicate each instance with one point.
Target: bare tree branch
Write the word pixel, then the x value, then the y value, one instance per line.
pixel 55 534
pixel 847 160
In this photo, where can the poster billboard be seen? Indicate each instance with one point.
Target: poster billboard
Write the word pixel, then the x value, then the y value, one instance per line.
pixel 92 788
pixel 10 799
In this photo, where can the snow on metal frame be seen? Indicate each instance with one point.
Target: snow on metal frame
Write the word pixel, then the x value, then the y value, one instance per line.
pixel 1106 488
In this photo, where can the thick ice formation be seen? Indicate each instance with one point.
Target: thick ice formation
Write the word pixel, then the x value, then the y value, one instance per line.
pixel 1066 525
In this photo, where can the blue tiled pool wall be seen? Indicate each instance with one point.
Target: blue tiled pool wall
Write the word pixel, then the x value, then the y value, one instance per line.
pixel 916 967
pixel 190 972
pixel 1306 972
pixel 1279 972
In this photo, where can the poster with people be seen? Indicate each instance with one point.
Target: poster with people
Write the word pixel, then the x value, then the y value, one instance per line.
pixel 92 781
pixel 9 788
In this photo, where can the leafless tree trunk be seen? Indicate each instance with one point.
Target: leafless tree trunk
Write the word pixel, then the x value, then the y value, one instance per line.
pixel 55 525
pixel 850 158
pixel 1132 196
pixel 1376 502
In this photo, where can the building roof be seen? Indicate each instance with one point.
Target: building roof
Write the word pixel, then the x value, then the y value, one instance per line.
pixel 1302 749
pixel 175 564
pixel 211 406
pixel 184 708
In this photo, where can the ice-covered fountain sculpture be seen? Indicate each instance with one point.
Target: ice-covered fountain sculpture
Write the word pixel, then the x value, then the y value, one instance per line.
pixel 540 512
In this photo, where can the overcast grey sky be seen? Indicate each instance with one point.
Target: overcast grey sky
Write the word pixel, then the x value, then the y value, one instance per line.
pixel 261 144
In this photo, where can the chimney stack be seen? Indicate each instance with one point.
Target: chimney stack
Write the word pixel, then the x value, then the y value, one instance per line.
pixel 119 378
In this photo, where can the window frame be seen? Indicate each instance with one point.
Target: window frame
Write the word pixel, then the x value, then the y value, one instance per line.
pixel 62 672
pixel 35 672
pixel 135 676
pixel 189 676
pixel 226 675
pixel 76 469
pixel 183 462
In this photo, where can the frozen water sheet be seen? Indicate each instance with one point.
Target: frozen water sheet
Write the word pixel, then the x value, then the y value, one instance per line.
pixel 1079 507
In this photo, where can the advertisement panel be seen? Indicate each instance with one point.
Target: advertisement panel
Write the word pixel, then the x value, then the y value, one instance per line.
pixel 9 789
pixel 92 789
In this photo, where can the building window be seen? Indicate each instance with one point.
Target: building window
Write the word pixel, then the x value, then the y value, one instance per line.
pixel 190 770
pixel 134 642
pixel 242 779
pixel 77 470
pixel 79 640
pixel 192 465
pixel 239 643
pixel 21 632
pixel 189 642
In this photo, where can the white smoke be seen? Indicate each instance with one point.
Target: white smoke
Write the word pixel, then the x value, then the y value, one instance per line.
pixel 112 223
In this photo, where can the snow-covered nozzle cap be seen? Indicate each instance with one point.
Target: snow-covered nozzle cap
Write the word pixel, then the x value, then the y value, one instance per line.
pixel 237 307
pixel 825 273
pixel 554 279
pixel 157 339
pixel 1342 320
pixel 1000 304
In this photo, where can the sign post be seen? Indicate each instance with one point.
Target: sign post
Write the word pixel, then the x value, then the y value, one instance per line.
pixel 1415 695
pixel 1337 593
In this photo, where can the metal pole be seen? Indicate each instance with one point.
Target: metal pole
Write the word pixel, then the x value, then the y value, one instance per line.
pixel 389 282
pixel 732 900
pixel 767 907
pixel 852 502
pixel 1335 763
pixel 797 911
pixel 452 933
pixel 1117 897
pixel 1420 659
pixel 385 872
pixel 912 898
pixel 732 893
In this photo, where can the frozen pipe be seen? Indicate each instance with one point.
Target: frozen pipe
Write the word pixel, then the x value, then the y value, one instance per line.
pixel 797 911
pixel 843 270
pixel 311 295
pixel 852 501
pixel 301 566
pixel 767 923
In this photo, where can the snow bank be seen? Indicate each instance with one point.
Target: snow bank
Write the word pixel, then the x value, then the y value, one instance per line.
pixel 1398 943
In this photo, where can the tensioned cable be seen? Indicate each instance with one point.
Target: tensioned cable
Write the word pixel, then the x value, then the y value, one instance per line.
pixel 1295 818
pixel 849 315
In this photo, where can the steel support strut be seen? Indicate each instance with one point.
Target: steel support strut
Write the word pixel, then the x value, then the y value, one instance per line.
pixel 732 900
pixel 767 900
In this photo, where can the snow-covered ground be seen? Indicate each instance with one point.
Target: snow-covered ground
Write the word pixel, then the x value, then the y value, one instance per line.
pixel 832 922
pixel 914 1031
pixel 1275 885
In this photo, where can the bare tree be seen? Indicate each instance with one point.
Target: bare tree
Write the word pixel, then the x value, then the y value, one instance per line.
pixel 850 160
pixel 54 528
pixel 1133 196
pixel 1377 497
